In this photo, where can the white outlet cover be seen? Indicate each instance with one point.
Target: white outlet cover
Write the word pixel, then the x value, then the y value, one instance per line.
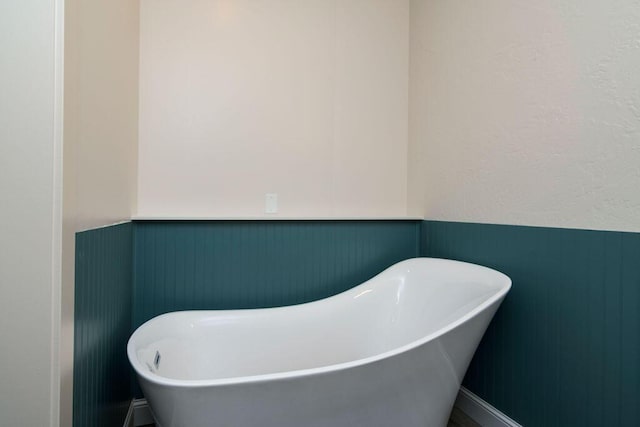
pixel 271 203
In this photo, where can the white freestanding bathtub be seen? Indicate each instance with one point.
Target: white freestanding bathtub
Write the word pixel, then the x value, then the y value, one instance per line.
pixel 389 352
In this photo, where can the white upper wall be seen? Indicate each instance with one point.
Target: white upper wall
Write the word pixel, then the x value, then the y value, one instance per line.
pixel 526 112
pixel 307 99
pixel 101 111
pixel 100 139
pixel 30 210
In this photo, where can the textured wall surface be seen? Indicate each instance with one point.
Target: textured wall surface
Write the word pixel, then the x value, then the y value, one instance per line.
pixel 564 347
pixel 103 313
pixel 251 264
pixel 306 99
pixel 526 112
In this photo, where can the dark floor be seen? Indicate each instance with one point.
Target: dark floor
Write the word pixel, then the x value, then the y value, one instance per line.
pixel 460 419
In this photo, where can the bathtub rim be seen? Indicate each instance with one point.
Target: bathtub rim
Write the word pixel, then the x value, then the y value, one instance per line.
pixel 139 368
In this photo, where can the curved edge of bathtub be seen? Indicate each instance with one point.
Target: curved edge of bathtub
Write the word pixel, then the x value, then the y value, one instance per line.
pixel 160 380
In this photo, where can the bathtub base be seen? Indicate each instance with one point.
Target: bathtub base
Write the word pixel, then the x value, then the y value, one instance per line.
pixel 407 397
pixel 413 389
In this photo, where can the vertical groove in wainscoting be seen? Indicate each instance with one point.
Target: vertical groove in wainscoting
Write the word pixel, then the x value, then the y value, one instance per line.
pixel 250 264
pixel 564 348
pixel 103 313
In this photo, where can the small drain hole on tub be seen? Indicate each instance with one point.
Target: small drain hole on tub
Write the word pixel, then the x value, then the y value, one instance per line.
pixel 156 360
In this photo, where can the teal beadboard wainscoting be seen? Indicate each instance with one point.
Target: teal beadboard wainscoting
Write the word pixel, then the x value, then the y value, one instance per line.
pixel 129 273
pixel 564 348
pixel 222 265
pixel 186 265
pixel 103 310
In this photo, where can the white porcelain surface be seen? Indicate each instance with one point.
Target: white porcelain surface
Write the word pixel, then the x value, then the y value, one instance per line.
pixel 391 351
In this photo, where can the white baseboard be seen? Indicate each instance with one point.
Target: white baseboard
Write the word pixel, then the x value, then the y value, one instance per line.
pixel 477 409
pixel 139 414
pixel 481 412
pixel 128 421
